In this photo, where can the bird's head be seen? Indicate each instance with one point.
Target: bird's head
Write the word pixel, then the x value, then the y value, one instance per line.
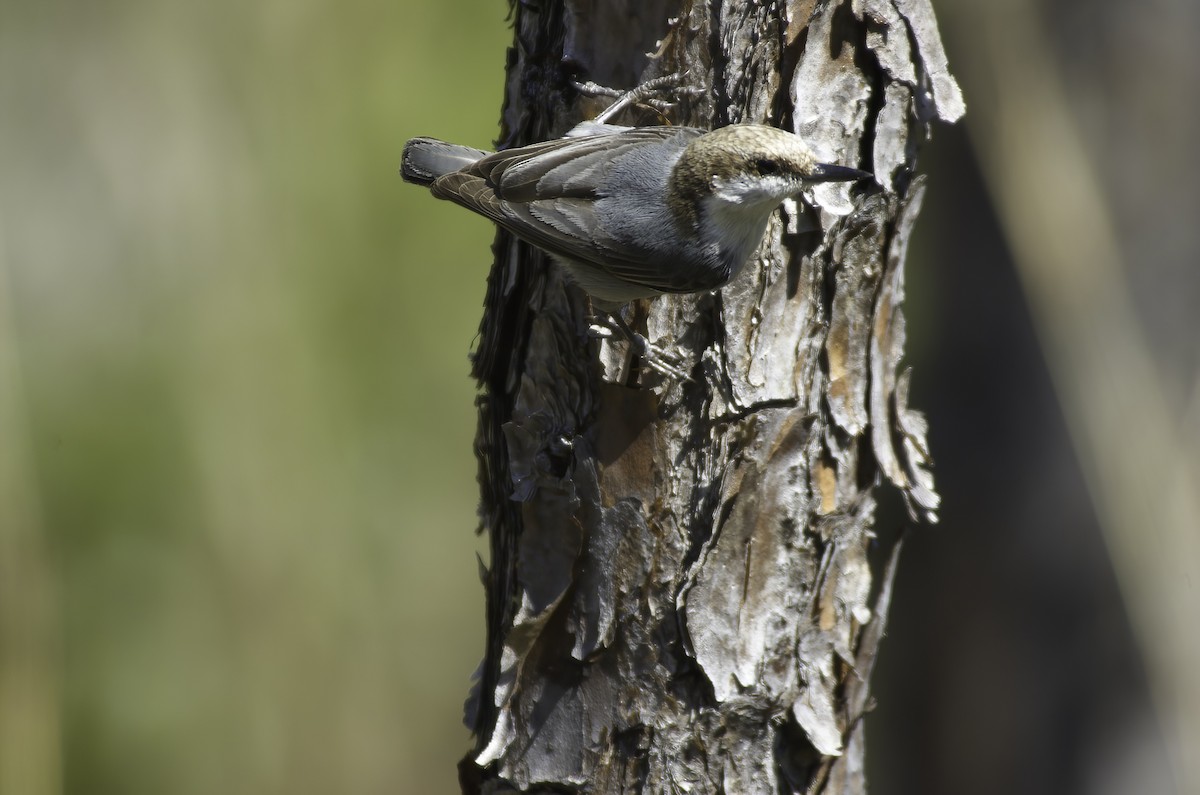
pixel 728 181
pixel 750 165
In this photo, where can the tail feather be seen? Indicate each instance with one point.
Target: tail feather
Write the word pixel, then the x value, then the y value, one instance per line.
pixel 426 159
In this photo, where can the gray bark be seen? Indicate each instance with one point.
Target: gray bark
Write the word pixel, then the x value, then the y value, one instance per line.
pixel 680 597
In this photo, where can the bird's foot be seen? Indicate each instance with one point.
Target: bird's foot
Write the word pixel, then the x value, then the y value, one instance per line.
pixel 642 94
pixel 666 364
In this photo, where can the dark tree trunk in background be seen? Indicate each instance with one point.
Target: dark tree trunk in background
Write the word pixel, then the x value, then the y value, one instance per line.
pixel 680 597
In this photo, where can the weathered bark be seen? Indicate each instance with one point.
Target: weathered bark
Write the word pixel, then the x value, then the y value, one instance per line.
pixel 680 598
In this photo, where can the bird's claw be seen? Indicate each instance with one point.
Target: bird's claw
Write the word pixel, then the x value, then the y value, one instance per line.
pixel 658 360
pixel 641 94
pixel 650 355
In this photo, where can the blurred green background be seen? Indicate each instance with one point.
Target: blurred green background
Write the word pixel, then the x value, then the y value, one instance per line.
pixel 237 493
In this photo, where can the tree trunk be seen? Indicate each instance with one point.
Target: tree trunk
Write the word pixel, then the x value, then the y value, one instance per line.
pixel 680 597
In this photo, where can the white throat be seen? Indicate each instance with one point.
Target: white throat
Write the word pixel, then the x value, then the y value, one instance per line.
pixel 736 216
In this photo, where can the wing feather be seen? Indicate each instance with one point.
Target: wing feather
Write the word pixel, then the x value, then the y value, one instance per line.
pixel 546 193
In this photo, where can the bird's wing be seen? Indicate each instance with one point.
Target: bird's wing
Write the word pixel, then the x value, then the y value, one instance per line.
pixel 545 193
pixel 568 167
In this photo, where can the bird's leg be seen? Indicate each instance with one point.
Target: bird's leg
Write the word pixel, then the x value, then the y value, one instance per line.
pixel 640 94
pixel 605 324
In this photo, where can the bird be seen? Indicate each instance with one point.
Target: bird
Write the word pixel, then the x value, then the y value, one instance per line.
pixel 631 212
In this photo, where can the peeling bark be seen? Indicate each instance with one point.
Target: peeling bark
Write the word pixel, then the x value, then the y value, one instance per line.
pixel 680 597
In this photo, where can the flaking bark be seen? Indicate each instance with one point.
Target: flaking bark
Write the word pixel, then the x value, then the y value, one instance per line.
pixel 680 597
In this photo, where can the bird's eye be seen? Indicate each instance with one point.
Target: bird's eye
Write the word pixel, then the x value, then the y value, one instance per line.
pixel 766 166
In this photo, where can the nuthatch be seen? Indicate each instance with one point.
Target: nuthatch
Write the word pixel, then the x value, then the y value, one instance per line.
pixel 631 212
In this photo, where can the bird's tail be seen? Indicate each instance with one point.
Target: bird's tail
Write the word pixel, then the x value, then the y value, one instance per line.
pixel 426 159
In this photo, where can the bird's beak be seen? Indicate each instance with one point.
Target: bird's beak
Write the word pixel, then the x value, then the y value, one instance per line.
pixel 823 172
